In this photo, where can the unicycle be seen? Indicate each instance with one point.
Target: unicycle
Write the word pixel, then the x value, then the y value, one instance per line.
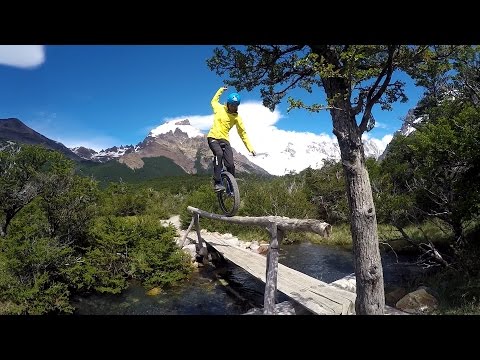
pixel 228 199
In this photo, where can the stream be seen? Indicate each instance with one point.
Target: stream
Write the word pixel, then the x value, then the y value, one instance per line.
pixel 238 291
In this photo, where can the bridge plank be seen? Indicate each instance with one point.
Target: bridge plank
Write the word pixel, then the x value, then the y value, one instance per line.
pixel 317 296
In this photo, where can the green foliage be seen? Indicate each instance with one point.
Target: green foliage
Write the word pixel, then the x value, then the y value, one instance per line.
pixel 182 184
pixel 42 296
pixel 163 205
pixel 432 230
pixel 25 170
pixel 122 199
pixel 434 171
pixel 31 280
pixel 156 260
pixel 113 171
pixel 54 248
pixel 133 247
pixel 203 198
pixel 395 204
pixel 283 196
pixel 325 189
pixel 70 203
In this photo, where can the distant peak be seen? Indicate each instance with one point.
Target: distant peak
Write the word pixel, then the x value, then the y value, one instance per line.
pixel 13 120
pixel 174 126
pixel 14 124
pixel 183 122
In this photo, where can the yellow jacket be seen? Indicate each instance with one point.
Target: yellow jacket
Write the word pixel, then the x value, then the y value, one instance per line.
pixel 223 121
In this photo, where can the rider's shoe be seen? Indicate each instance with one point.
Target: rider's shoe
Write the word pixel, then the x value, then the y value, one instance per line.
pixel 218 187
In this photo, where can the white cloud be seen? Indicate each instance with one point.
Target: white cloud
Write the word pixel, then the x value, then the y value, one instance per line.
pixel 380 125
pixel 22 56
pixel 267 138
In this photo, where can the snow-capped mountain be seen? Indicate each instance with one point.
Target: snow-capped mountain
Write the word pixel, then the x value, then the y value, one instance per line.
pixel 287 154
pixel 172 126
pixel 177 140
pixel 296 155
pixel 411 119
pixel 187 147
pixel 103 155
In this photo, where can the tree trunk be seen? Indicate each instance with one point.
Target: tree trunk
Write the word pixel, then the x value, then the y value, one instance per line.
pixel 4 224
pixel 363 224
pixel 363 221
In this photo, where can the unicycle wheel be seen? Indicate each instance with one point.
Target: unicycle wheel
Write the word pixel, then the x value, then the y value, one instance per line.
pixel 229 199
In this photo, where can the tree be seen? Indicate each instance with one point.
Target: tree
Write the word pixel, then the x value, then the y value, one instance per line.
pixel 445 156
pixel 354 79
pixel 326 190
pixel 23 173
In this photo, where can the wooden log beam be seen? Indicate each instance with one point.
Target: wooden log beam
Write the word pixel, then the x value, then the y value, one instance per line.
pixel 283 223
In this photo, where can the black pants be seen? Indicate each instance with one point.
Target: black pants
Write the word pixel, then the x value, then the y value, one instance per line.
pixel 222 151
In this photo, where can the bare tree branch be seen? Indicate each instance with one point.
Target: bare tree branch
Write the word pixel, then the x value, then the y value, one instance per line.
pixel 373 97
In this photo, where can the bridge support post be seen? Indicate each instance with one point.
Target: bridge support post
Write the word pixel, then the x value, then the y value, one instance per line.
pixel 272 270
pixel 202 247
pixel 188 230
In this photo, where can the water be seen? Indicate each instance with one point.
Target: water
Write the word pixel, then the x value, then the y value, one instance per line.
pixel 329 264
pixel 204 294
pixel 321 262
pixel 198 296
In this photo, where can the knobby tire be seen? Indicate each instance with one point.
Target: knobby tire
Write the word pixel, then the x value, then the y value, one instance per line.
pixel 229 201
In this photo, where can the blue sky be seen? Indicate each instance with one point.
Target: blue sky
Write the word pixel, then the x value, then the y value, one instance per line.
pixel 104 95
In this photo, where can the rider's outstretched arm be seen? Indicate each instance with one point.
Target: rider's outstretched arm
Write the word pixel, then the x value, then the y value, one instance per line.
pixel 216 98
pixel 243 135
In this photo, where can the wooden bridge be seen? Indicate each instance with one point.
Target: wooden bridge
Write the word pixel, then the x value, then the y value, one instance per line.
pixel 320 298
pixel 313 294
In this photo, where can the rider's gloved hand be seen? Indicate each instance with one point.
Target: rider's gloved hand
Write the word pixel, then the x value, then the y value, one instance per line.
pixel 254 153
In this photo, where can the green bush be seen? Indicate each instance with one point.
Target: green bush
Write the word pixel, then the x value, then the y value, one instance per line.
pixel 133 247
pixel 31 279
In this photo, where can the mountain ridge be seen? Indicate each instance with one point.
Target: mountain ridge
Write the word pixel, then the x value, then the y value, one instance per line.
pixel 13 129
pixel 191 154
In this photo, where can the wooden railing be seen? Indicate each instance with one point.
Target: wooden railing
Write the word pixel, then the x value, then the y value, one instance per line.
pixel 276 226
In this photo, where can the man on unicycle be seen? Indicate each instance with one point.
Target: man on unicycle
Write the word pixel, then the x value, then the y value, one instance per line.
pixel 224 118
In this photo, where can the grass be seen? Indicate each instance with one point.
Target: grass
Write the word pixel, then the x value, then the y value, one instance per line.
pixel 468 308
pixel 342 237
